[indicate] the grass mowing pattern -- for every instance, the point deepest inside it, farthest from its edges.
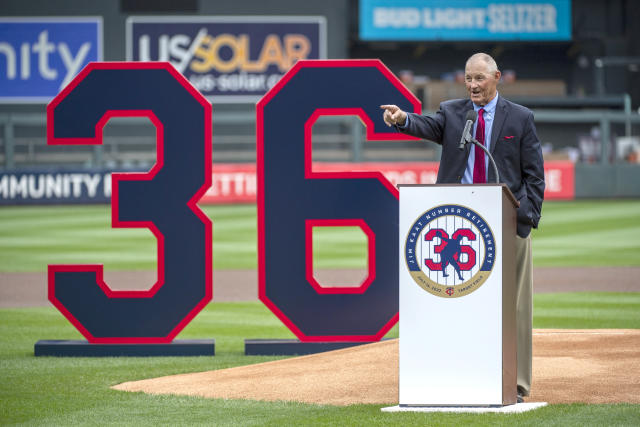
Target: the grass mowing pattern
(65, 391)
(34, 236)
(588, 233)
(340, 247)
(578, 233)
(587, 310)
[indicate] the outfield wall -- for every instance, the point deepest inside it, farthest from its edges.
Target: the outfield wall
(596, 180)
(236, 182)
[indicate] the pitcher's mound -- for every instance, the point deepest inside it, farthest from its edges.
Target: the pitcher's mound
(590, 366)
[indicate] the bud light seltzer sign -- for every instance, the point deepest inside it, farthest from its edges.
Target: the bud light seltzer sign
(230, 58)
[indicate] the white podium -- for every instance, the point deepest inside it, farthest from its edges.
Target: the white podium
(457, 295)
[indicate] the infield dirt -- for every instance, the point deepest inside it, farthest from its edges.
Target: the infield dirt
(587, 366)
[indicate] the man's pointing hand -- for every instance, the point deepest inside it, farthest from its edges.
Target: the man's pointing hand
(393, 115)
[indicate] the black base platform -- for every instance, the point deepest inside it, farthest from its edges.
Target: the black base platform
(61, 348)
(291, 347)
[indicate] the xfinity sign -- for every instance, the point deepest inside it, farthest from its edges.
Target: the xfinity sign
(40, 56)
(465, 20)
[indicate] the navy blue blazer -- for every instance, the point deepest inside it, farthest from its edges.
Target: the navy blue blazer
(514, 146)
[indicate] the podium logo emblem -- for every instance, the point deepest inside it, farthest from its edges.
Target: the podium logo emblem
(450, 251)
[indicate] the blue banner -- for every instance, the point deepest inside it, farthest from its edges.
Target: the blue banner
(500, 20)
(39, 56)
(230, 59)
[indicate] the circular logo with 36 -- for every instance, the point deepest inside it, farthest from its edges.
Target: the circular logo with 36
(450, 251)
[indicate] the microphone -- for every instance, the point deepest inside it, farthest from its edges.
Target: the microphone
(471, 118)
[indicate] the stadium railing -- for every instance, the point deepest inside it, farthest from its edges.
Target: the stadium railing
(131, 141)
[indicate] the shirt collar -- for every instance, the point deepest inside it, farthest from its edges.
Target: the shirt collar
(490, 107)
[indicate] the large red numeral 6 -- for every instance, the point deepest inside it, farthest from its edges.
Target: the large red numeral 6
(464, 249)
(292, 198)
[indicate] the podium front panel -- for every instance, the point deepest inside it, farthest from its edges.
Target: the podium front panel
(451, 296)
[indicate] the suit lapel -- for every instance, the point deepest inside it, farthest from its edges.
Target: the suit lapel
(498, 121)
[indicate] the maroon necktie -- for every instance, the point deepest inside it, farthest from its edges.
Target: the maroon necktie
(479, 173)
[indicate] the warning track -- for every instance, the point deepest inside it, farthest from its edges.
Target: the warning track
(30, 289)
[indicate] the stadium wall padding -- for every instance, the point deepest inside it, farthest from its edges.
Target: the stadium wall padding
(596, 181)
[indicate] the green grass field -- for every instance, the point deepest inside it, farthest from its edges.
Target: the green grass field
(64, 391)
(596, 233)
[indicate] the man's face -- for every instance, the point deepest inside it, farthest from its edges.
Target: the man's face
(481, 83)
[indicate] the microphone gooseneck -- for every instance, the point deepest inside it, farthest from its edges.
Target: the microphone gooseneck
(470, 119)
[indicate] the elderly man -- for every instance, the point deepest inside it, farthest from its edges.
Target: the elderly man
(508, 132)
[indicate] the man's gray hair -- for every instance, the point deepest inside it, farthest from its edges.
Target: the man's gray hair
(491, 63)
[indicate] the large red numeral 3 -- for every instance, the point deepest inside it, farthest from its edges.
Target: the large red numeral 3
(163, 200)
(464, 249)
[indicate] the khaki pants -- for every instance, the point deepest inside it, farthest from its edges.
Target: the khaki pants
(524, 312)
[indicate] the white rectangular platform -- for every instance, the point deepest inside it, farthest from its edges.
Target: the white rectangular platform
(509, 409)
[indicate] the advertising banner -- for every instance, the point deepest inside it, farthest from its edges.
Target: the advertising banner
(232, 58)
(471, 20)
(230, 182)
(39, 56)
(55, 187)
(236, 183)
(559, 178)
